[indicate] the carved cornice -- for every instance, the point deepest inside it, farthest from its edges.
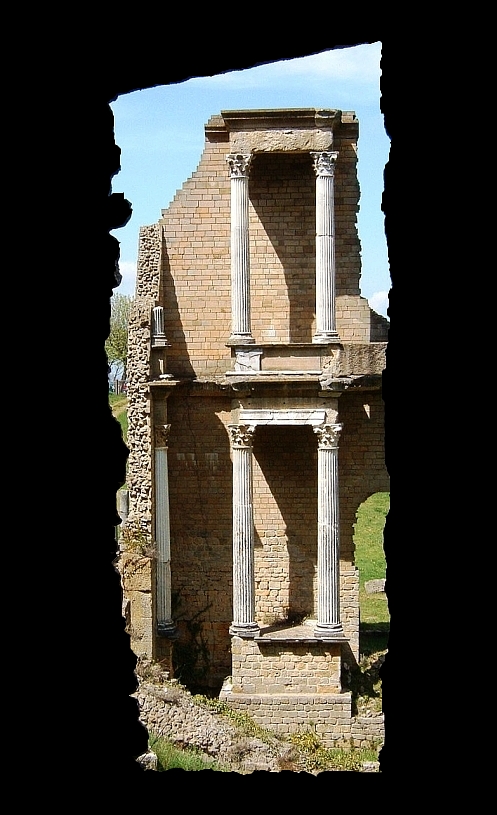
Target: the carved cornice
(161, 435)
(241, 435)
(328, 435)
(239, 164)
(324, 163)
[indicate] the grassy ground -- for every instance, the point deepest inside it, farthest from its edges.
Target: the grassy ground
(300, 752)
(370, 560)
(119, 404)
(170, 757)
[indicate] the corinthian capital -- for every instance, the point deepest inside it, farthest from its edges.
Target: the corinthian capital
(324, 163)
(162, 434)
(241, 435)
(239, 164)
(328, 435)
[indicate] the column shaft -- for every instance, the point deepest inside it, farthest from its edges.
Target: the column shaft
(324, 165)
(328, 622)
(244, 624)
(240, 250)
(165, 623)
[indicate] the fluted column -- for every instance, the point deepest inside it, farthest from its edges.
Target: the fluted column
(328, 622)
(324, 166)
(240, 253)
(165, 625)
(158, 334)
(243, 624)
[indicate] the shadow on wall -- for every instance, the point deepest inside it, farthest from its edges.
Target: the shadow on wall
(200, 492)
(283, 194)
(178, 358)
(285, 516)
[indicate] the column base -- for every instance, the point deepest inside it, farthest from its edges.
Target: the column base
(240, 339)
(326, 630)
(167, 629)
(325, 337)
(246, 631)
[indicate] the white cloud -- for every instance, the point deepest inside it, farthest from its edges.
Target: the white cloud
(356, 63)
(359, 63)
(379, 302)
(128, 272)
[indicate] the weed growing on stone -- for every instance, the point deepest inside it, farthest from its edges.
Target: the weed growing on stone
(240, 719)
(315, 758)
(136, 541)
(170, 757)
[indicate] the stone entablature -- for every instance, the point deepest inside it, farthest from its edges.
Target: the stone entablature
(288, 130)
(282, 416)
(346, 359)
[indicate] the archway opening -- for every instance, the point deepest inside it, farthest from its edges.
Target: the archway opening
(370, 560)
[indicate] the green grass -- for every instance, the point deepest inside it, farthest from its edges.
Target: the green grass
(170, 757)
(370, 558)
(123, 421)
(119, 404)
(309, 756)
(316, 758)
(241, 719)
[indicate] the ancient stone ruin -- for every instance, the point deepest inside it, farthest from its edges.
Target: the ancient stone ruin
(256, 421)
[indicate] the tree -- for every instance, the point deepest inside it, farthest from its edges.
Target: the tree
(117, 342)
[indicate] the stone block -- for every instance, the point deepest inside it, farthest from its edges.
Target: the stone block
(375, 586)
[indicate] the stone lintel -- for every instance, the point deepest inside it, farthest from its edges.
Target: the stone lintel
(282, 417)
(280, 119)
(287, 130)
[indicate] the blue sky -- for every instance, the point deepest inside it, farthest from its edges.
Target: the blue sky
(161, 135)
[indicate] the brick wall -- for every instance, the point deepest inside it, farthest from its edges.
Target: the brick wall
(184, 264)
(278, 668)
(196, 272)
(196, 280)
(285, 513)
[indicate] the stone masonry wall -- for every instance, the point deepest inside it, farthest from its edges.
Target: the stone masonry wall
(196, 282)
(288, 687)
(284, 668)
(362, 473)
(196, 272)
(285, 515)
(184, 264)
(138, 574)
(329, 715)
(285, 520)
(200, 494)
(139, 474)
